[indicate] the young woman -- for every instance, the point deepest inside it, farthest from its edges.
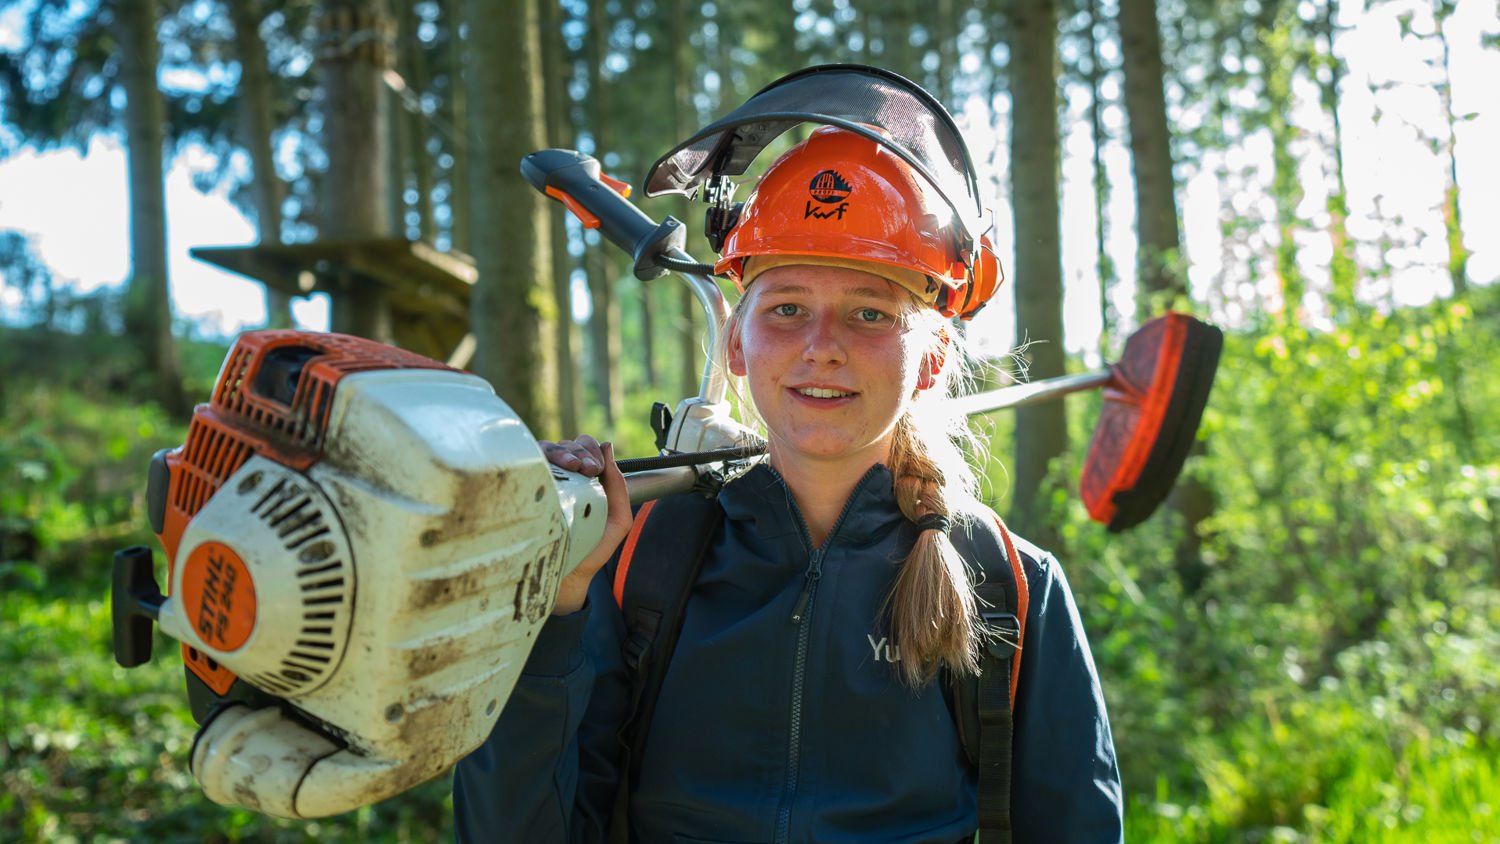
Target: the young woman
(804, 700)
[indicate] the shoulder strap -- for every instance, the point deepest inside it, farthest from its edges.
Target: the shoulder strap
(984, 704)
(677, 530)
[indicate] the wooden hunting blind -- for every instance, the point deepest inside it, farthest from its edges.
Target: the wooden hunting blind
(425, 288)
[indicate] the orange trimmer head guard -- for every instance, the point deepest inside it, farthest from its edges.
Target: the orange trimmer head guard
(1153, 403)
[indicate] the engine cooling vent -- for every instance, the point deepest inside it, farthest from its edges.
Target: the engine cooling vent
(281, 383)
(272, 397)
(212, 452)
(325, 583)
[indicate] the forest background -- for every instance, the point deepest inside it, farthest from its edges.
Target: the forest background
(1301, 646)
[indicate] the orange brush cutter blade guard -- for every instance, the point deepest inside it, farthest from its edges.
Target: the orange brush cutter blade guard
(1152, 406)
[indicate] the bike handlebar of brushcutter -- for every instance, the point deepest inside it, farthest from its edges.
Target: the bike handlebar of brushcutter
(602, 203)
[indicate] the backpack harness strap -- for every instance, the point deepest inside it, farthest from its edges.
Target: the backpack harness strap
(653, 607)
(983, 705)
(678, 529)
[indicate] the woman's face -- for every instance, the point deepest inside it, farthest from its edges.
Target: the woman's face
(831, 359)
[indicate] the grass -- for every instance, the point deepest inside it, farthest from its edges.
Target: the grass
(93, 752)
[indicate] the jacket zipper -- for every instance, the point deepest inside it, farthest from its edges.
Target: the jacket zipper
(799, 678)
(801, 613)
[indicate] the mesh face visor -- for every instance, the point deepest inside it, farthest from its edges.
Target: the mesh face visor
(910, 123)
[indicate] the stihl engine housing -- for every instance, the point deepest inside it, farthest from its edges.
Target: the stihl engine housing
(361, 546)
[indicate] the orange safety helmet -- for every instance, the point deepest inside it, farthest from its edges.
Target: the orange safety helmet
(841, 196)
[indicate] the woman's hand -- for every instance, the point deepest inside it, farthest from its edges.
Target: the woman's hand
(588, 457)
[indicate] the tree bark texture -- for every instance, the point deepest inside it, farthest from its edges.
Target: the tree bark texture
(1158, 284)
(689, 332)
(570, 400)
(1281, 60)
(458, 119)
(356, 206)
(1151, 156)
(257, 125)
(604, 321)
(148, 300)
(512, 307)
(1458, 254)
(1343, 271)
(412, 62)
(1104, 265)
(1041, 430)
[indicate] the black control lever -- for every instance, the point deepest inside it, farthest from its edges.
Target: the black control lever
(575, 180)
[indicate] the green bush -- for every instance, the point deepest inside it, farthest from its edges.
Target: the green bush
(1340, 630)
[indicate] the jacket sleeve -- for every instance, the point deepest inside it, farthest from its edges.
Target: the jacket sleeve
(549, 769)
(1065, 773)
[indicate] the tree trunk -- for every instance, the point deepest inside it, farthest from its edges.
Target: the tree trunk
(148, 301)
(1160, 285)
(949, 21)
(512, 306)
(399, 159)
(257, 125)
(569, 404)
(1041, 430)
(689, 336)
(1286, 188)
(604, 322)
(1343, 271)
(1104, 265)
(413, 59)
(1458, 254)
(458, 118)
(356, 187)
(1151, 156)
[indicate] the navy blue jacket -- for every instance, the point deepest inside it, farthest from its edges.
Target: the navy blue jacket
(771, 731)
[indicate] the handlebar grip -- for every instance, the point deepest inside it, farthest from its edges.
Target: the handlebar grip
(575, 180)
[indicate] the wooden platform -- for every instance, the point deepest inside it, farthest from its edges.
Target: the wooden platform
(428, 289)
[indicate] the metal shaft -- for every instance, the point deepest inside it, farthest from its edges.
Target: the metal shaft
(655, 483)
(1037, 391)
(715, 314)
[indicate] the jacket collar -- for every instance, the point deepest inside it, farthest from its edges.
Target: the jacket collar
(761, 496)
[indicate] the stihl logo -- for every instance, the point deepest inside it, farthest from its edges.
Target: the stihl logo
(218, 600)
(218, 595)
(813, 212)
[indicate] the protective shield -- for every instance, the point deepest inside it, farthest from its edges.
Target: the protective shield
(876, 104)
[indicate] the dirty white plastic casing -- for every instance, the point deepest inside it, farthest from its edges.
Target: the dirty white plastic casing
(454, 532)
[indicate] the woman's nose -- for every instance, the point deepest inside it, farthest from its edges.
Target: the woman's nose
(824, 346)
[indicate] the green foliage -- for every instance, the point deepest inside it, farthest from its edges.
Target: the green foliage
(93, 752)
(1332, 674)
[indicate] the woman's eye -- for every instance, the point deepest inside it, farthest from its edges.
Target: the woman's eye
(785, 309)
(869, 315)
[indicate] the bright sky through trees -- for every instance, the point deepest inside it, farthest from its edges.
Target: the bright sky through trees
(75, 208)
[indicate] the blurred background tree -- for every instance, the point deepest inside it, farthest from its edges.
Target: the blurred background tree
(1301, 648)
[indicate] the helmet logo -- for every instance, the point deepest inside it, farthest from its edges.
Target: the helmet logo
(828, 188)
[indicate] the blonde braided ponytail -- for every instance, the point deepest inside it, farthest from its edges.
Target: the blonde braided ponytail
(933, 615)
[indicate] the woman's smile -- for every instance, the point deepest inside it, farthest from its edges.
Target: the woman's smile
(830, 360)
